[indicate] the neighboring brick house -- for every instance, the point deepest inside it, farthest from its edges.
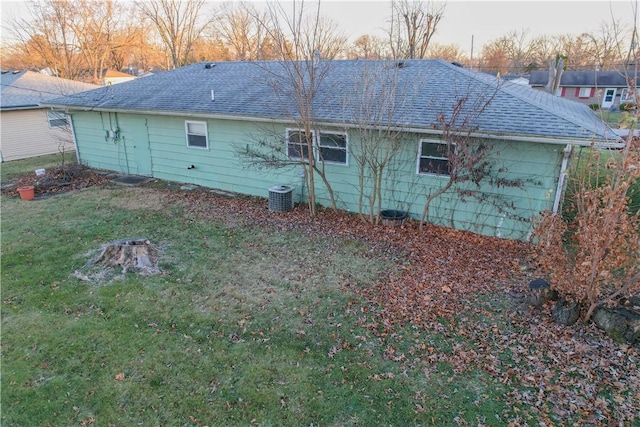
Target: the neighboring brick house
(606, 88)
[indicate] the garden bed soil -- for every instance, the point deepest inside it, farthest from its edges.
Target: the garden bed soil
(57, 180)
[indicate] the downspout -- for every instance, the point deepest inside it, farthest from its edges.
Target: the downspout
(562, 179)
(73, 137)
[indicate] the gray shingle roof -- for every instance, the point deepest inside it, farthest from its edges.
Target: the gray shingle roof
(582, 78)
(27, 89)
(425, 89)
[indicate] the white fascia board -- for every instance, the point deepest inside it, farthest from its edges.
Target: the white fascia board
(583, 142)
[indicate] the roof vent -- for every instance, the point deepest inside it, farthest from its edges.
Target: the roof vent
(401, 64)
(209, 65)
(457, 64)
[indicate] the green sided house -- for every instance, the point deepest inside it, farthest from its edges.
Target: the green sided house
(241, 126)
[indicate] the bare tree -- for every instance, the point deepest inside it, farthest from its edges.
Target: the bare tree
(369, 47)
(306, 44)
(519, 50)
(556, 68)
(211, 49)
(371, 111)
(542, 49)
(604, 45)
(516, 53)
(74, 39)
(239, 27)
(179, 24)
(412, 26)
(145, 51)
(510, 53)
(462, 158)
(99, 28)
(494, 58)
(447, 52)
(47, 35)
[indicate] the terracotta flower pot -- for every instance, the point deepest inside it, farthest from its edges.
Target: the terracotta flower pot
(27, 193)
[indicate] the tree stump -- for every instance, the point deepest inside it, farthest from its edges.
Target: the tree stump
(565, 312)
(137, 255)
(540, 293)
(620, 323)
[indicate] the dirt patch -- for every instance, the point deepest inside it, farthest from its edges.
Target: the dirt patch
(58, 180)
(144, 198)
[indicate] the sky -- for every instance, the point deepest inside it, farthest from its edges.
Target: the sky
(464, 20)
(485, 21)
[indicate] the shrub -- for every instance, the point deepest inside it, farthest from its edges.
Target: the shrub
(592, 254)
(595, 107)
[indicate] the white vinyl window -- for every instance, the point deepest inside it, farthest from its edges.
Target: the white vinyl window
(297, 147)
(196, 133)
(330, 147)
(57, 119)
(333, 147)
(626, 95)
(585, 92)
(433, 157)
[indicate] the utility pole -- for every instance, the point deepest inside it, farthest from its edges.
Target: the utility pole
(471, 59)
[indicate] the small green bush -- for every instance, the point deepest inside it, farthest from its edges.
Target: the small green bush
(594, 107)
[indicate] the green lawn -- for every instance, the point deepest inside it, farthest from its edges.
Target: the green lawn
(245, 327)
(14, 169)
(585, 166)
(613, 118)
(259, 325)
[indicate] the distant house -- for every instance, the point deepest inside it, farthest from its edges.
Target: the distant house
(146, 74)
(112, 77)
(608, 89)
(520, 79)
(27, 128)
(106, 77)
(196, 124)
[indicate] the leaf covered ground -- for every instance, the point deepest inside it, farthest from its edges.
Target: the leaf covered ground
(458, 287)
(449, 305)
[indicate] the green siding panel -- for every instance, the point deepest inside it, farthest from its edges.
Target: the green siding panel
(156, 146)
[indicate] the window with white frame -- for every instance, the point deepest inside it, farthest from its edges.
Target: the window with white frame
(57, 119)
(333, 147)
(297, 147)
(433, 157)
(196, 133)
(330, 147)
(626, 95)
(585, 92)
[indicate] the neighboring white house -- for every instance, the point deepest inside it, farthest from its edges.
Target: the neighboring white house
(28, 129)
(112, 77)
